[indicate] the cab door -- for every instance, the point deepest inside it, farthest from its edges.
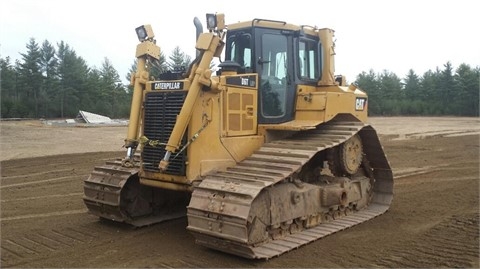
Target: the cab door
(275, 68)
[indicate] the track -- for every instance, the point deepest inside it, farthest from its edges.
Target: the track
(219, 214)
(113, 192)
(102, 190)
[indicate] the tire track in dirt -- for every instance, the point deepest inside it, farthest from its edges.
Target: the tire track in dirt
(52, 179)
(43, 173)
(41, 243)
(42, 197)
(436, 248)
(42, 181)
(52, 214)
(415, 171)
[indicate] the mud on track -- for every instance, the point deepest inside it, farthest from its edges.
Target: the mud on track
(433, 221)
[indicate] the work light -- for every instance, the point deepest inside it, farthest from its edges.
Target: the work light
(211, 21)
(144, 32)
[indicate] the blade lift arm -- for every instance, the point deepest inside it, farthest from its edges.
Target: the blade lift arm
(147, 50)
(210, 45)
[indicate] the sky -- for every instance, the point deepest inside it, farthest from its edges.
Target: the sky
(378, 35)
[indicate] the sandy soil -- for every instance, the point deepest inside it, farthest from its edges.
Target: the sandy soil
(433, 220)
(24, 139)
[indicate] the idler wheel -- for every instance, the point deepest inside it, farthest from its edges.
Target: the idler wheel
(350, 155)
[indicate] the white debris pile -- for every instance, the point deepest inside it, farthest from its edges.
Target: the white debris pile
(85, 118)
(92, 118)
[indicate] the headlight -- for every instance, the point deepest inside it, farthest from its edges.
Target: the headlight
(211, 21)
(144, 32)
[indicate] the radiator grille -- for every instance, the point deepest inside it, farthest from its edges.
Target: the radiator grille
(161, 110)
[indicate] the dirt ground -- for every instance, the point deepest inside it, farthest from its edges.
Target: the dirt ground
(433, 221)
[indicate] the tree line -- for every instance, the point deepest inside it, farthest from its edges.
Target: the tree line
(435, 93)
(54, 82)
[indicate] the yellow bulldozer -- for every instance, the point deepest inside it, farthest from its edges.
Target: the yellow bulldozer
(267, 153)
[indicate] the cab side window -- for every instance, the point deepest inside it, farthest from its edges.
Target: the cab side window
(309, 59)
(241, 52)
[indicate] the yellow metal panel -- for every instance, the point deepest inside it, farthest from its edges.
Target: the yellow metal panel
(345, 103)
(204, 41)
(240, 117)
(241, 147)
(220, 21)
(207, 166)
(165, 185)
(163, 177)
(311, 101)
(234, 124)
(233, 100)
(310, 115)
(148, 48)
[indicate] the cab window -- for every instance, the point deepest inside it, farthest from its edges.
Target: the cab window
(241, 51)
(273, 87)
(308, 55)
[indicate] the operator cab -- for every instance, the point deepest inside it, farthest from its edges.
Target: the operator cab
(282, 55)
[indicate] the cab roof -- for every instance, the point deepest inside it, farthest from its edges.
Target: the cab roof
(273, 24)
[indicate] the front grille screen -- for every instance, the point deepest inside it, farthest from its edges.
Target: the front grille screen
(161, 110)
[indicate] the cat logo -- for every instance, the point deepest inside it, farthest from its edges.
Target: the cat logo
(360, 103)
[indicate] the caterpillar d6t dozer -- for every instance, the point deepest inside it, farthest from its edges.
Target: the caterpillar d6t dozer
(268, 153)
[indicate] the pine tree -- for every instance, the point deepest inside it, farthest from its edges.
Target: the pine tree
(49, 65)
(111, 86)
(31, 76)
(412, 86)
(8, 81)
(179, 59)
(467, 88)
(73, 73)
(446, 88)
